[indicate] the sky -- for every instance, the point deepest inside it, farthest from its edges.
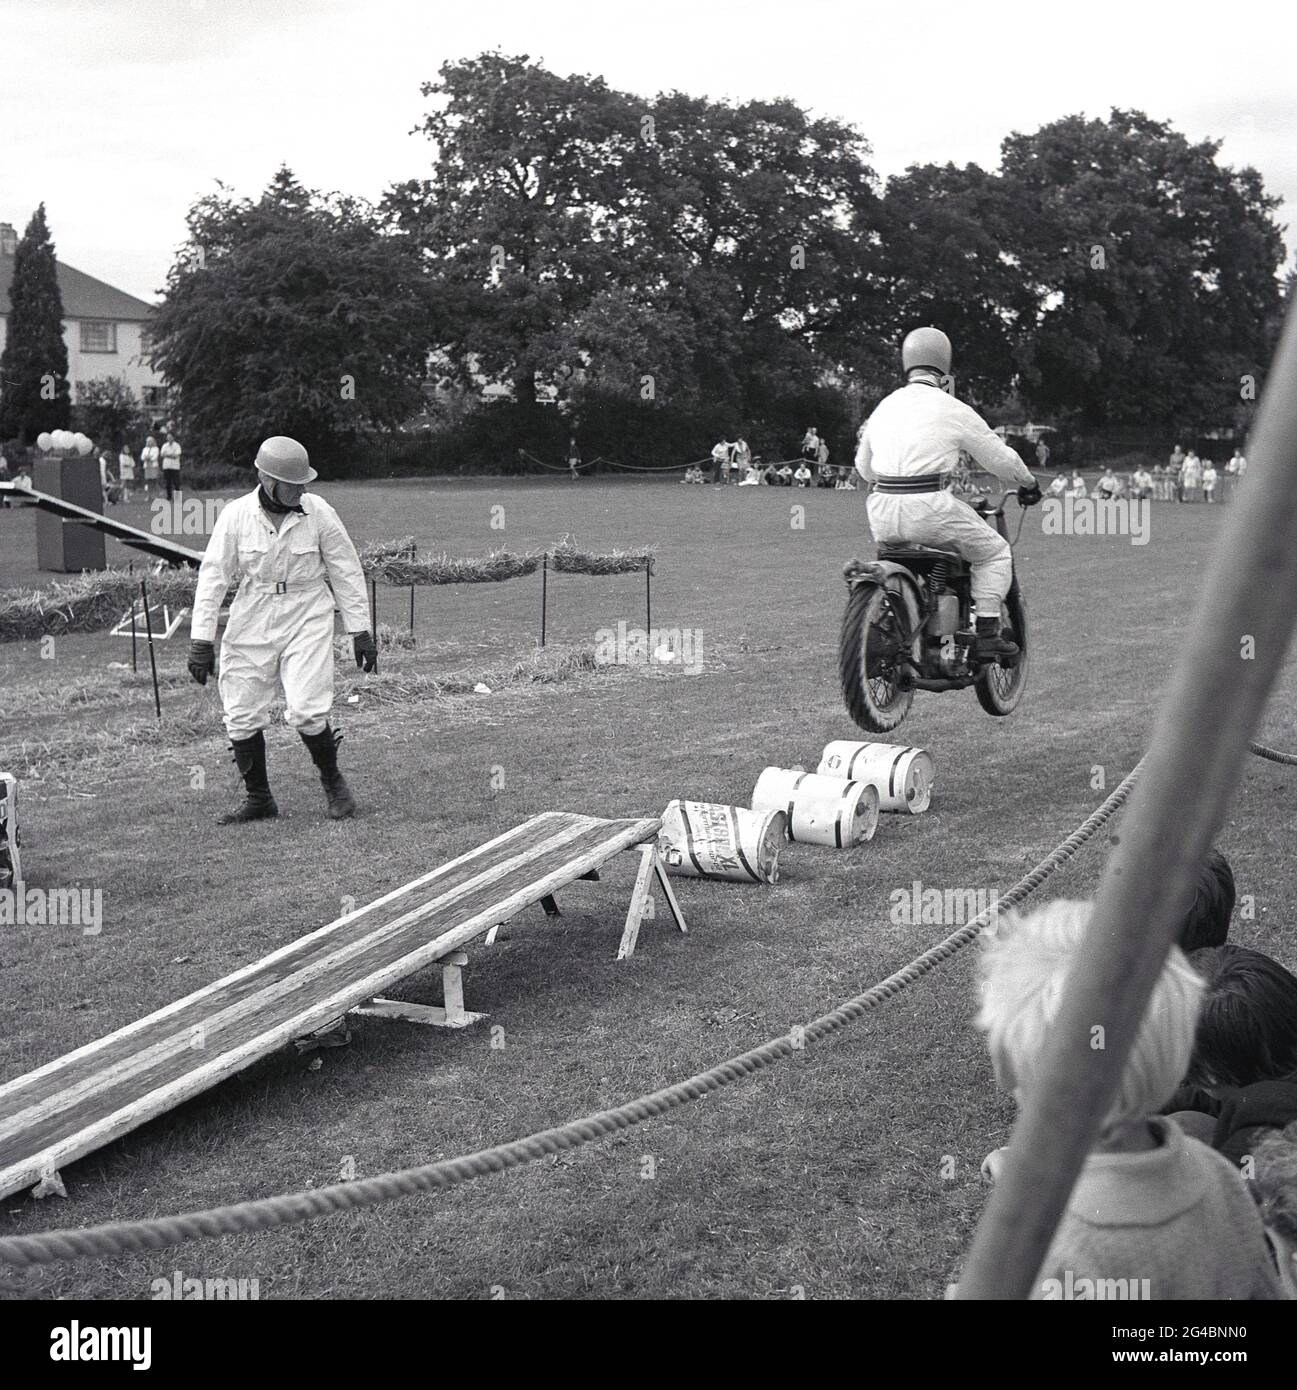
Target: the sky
(118, 114)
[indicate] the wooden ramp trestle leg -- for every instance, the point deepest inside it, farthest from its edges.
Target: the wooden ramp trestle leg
(451, 1015)
(650, 869)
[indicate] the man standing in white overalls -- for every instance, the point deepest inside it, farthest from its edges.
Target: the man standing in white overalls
(286, 549)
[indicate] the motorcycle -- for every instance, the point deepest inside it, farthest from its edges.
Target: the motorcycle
(908, 626)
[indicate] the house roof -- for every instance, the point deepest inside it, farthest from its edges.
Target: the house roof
(84, 297)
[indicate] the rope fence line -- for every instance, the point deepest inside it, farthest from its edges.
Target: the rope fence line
(1273, 755)
(48, 1247)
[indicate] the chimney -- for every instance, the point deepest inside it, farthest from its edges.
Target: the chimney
(8, 240)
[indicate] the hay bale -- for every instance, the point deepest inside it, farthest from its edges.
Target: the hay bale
(88, 602)
(567, 558)
(499, 565)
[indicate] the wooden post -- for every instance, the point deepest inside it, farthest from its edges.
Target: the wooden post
(413, 548)
(1218, 692)
(544, 586)
(135, 665)
(153, 663)
(373, 609)
(648, 595)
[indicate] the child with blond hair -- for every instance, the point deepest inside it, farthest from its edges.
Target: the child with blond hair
(1150, 1204)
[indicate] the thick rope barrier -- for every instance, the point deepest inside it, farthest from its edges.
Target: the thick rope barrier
(1273, 754)
(268, 1213)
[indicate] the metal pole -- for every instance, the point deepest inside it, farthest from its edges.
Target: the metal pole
(373, 609)
(648, 594)
(1228, 662)
(412, 551)
(153, 664)
(544, 586)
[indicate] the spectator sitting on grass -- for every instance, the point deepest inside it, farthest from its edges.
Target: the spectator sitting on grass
(1149, 1203)
(1141, 483)
(803, 475)
(1107, 484)
(770, 474)
(1077, 487)
(1275, 1187)
(1059, 486)
(1242, 1077)
(786, 476)
(693, 474)
(1207, 921)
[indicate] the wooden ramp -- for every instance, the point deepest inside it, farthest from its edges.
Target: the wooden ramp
(92, 1096)
(171, 551)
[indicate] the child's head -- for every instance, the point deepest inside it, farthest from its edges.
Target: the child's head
(1024, 968)
(1248, 1028)
(1207, 921)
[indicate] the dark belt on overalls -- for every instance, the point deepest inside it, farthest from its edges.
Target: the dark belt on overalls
(921, 482)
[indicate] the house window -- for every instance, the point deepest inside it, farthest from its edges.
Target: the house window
(98, 335)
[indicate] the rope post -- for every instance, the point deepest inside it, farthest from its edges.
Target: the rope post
(1218, 692)
(648, 594)
(413, 549)
(544, 587)
(153, 664)
(373, 608)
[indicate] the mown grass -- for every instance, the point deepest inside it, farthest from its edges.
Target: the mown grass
(830, 1174)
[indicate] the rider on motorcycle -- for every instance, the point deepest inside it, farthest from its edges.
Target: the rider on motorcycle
(906, 449)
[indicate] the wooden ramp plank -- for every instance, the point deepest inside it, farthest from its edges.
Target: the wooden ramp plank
(79, 1102)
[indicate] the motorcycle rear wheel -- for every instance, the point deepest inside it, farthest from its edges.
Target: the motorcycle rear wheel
(875, 639)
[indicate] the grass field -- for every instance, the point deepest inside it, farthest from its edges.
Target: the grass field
(829, 1176)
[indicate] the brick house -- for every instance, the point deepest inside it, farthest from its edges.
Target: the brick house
(104, 328)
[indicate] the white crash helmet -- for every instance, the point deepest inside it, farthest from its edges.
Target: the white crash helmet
(926, 347)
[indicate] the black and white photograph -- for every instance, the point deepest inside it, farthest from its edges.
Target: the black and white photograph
(645, 655)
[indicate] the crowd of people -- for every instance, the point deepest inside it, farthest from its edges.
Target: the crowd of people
(1186, 478)
(158, 468)
(732, 461)
(1192, 1183)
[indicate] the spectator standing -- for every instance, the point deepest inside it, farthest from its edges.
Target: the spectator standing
(1042, 454)
(1190, 473)
(4, 476)
(720, 460)
(1237, 464)
(1208, 481)
(742, 458)
(106, 479)
(171, 464)
(1177, 458)
(151, 463)
(126, 471)
(811, 445)
(573, 459)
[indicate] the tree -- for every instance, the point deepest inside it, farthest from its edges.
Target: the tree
(1154, 267)
(521, 221)
(34, 392)
(297, 314)
(108, 411)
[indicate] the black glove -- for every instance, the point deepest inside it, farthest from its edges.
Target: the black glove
(202, 660)
(1029, 496)
(366, 652)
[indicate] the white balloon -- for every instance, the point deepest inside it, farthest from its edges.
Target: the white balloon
(60, 438)
(44, 441)
(83, 443)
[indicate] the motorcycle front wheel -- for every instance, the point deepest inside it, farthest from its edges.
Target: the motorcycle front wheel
(999, 688)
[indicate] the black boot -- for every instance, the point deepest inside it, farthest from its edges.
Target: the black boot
(250, 758)
(991, 646)
(324, 754)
